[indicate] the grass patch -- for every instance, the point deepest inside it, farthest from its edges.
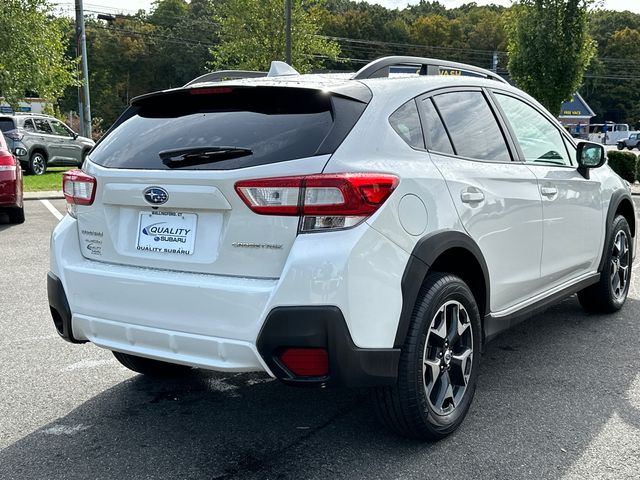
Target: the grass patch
(51, 180)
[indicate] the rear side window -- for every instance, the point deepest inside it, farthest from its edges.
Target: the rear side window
(265, 124)
(6, 124)
(28, 126)
(472, 126)
(406, 122)
(42, 126)
(436, 136)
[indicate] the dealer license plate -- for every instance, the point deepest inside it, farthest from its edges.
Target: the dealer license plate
(167, 232)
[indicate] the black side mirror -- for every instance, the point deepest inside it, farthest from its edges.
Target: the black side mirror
(590, 155)
(19, 152)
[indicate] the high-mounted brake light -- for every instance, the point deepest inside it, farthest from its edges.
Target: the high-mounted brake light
(210, 91)
(326, 202)
(79, 188)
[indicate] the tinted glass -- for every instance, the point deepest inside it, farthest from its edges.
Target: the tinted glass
(42, 126)
(473, 128)
(28, 126)
(539, 139)
(406, 122)
(276, 124)
(6, 124)
(436, 136)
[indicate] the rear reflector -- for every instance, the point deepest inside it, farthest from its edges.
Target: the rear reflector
(306, 362)
(78, 187)
(331, 201)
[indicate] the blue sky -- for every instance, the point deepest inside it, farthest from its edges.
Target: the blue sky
(131, 6)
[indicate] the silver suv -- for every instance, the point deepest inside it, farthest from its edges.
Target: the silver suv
(46, 141)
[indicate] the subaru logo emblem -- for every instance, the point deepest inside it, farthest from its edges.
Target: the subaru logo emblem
(156, 195)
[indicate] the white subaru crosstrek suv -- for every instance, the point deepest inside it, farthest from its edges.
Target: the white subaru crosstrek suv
(364, 230)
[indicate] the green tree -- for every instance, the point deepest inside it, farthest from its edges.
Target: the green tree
(252, 34)
(549, 48)
(32, 52)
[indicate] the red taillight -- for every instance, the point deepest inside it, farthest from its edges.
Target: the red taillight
(14, 135)
(78, 187)
(7, 162)
(328, 201)
(306, 362)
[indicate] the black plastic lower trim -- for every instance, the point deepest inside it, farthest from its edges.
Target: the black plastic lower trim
(324, 327)
(493, 326)
(59, 307)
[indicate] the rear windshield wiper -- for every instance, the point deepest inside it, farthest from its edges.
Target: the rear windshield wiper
(187, 157)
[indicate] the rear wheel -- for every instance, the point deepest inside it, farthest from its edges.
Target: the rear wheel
(610, 293)
(37, 164)
(16, 215)
(439, 363)
(620, 146)
(152, 368)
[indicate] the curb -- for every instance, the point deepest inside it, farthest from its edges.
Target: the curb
(45, 195)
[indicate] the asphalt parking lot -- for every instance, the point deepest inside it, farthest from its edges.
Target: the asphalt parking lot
(558, 398)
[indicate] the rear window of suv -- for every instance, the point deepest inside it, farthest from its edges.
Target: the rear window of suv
(267, 124)
(7, 124)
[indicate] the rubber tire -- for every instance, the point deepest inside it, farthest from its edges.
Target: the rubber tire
(16, 215)
(152, 368)
(620, 146)
(31, 168)
(598, 298)
(403, 408)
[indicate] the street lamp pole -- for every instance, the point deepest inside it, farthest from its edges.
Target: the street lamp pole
(84, 103)
(287, 16)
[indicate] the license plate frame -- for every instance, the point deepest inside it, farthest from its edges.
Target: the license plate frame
(166, 232)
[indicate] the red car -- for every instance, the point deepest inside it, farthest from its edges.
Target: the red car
(10, 184)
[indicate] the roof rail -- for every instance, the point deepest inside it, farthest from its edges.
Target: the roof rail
(428, 66)
(224, 75)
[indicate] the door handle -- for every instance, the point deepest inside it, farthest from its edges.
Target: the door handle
(471, 196)
(548, 191)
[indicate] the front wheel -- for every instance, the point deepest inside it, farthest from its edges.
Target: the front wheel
(620, 146)
(610, 293)
(152, 368)
(438, 367)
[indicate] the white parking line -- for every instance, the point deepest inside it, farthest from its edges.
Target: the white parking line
(52, 209)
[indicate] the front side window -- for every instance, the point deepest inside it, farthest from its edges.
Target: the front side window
(539, 140)
(59, 129)
(406, 122)
(472, 126)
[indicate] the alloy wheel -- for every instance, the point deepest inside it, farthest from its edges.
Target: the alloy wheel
(38, 164)
(620, 265)
(448, 357)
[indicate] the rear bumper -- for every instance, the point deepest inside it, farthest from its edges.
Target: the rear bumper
(324, 327)
(240, 324)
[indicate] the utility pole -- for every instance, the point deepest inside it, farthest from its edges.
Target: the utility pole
(287, 16)
(494, 62)
(84, 103)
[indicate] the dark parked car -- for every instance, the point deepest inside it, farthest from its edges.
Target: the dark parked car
(45, 140)
(10, 184)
